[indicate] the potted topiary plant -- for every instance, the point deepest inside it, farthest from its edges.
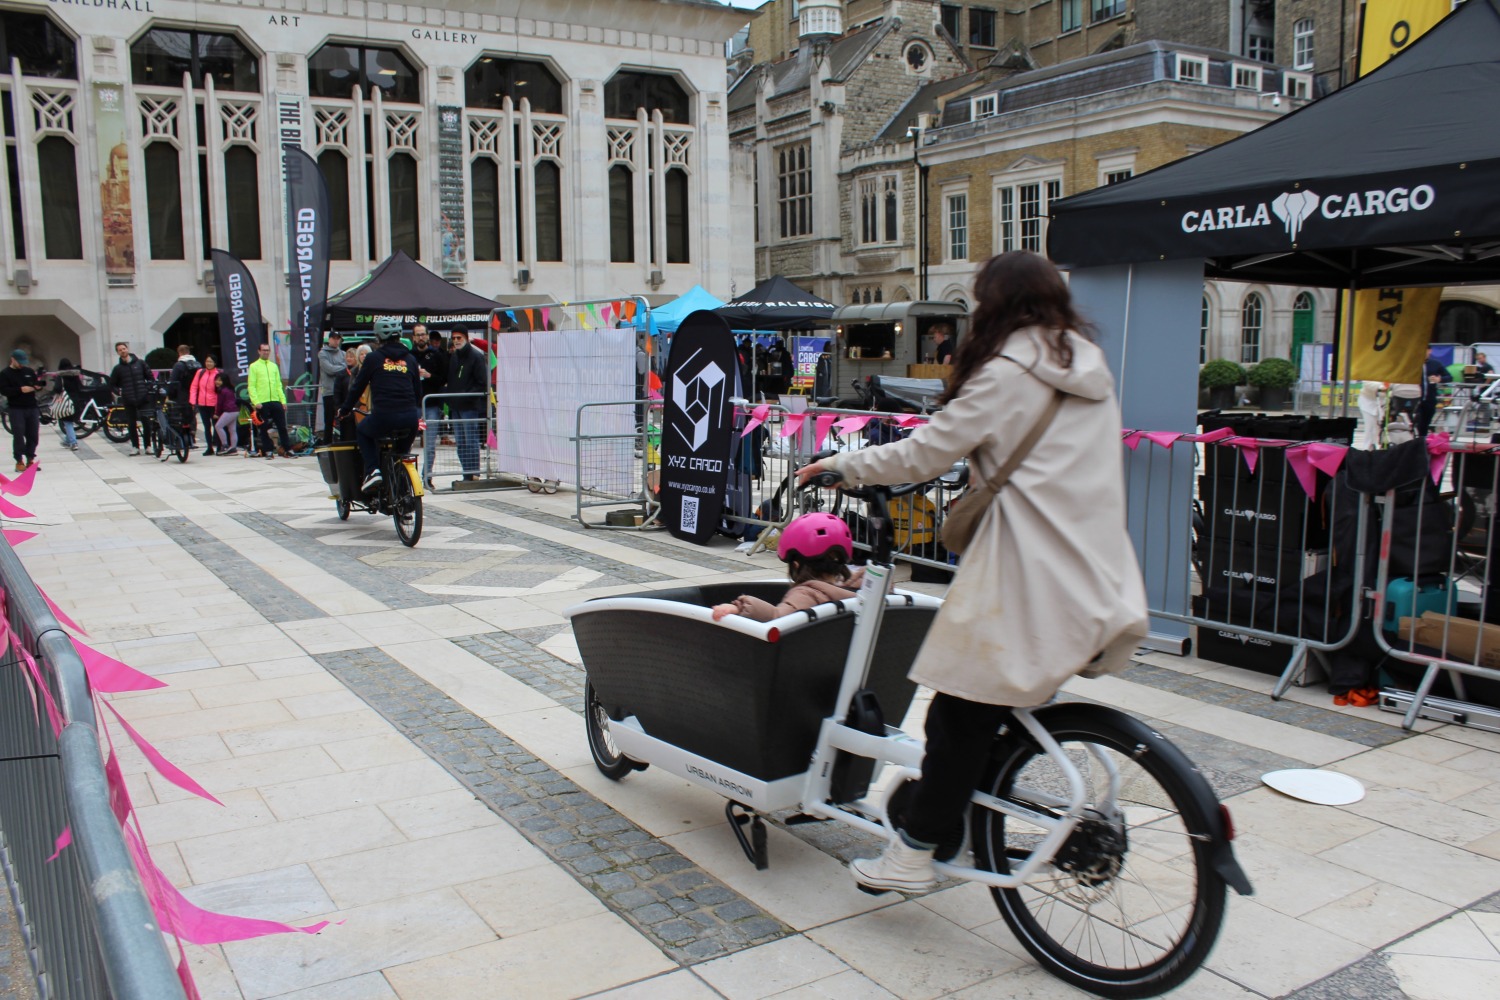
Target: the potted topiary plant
(1219, 377)
(1275, 378)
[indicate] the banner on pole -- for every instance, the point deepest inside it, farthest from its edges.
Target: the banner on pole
(698, 429)
(1391, 25)
(307, 251)
(114, 179)
(1392, 327)
(239, 314)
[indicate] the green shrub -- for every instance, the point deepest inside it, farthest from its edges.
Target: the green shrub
(1220, 372)
(160, 357)
(1274, 373)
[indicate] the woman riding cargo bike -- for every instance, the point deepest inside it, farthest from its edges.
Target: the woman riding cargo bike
(1105, 850)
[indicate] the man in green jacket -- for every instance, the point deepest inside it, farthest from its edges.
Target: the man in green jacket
(268, 399)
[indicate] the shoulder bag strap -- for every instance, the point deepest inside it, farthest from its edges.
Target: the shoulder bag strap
(1049, 413)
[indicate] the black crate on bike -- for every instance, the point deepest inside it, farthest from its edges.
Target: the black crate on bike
(1225, 644)
(342, 470)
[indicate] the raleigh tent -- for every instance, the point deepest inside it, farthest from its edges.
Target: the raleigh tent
(1392, 181)
(777, 304)
(401, 287)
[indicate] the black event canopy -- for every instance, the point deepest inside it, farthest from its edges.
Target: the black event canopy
(401, 287)
(1393, 180)
(776, 304)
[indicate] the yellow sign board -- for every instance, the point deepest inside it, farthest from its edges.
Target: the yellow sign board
(1392, 25)
(1392, 328)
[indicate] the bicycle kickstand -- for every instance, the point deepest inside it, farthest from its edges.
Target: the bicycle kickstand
(754, 846)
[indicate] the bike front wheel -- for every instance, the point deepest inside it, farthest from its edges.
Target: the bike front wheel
(406, 507)
(1130, 905)
(116, 429)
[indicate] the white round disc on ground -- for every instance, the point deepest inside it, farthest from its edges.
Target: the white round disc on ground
(1326, 788)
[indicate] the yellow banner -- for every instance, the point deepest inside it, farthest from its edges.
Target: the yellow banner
(1392, 25)
(1392, 327)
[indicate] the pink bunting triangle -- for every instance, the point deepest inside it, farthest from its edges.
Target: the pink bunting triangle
(11, 510)
(1162, 439)
(185, 973)
(757, 417)
(15, 536)
(792, 424)
(1211, 436)
(823, 424)
(1132, 439)
(1249, 448)
(109, 675)
(164, 767)
(60, 615)
(181, 917)
(852, 425)
(1437, 452)
(1327, 458)
(546, 318)
(21, 485)
(909, 420)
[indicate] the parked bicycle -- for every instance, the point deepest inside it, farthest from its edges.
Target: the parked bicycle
(1104, 848)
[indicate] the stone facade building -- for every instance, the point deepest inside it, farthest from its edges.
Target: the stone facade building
(530, 150)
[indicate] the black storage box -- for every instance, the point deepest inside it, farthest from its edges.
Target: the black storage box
(1254, 515)
(342, 469)
(1240, 649)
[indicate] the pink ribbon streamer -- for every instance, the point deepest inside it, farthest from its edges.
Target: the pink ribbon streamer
(757, 417)
(15, 536)
(192, 923)
(792, 424)
(824, 424)
(164, 767)
(546, 318)
(852, 425)
(185, 973)
(1438, 447)
(109, 675)
(63, 840)
(21, 485)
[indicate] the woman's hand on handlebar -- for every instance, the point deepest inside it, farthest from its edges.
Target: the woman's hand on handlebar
(817, 470)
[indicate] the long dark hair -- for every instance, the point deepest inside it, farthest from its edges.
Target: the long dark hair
(1015, 290)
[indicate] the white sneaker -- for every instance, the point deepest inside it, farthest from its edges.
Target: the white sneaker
(372, 480)
(903, 868)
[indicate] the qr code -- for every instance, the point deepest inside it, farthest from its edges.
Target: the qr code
(690, 515)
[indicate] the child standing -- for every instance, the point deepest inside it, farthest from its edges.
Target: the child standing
(226, 414)
(816, 548)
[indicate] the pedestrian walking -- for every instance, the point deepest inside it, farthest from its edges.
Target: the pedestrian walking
(468, 383)
(203, 397)
(268, 401)
(226, 414)
(67, 400)
(19, 385)
(131, 381)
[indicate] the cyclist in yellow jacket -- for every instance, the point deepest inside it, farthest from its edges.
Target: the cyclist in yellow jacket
(268, 399)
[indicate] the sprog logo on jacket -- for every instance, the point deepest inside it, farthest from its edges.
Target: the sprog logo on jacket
(397, 365)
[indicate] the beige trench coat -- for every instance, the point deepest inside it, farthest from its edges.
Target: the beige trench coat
(1050, 579)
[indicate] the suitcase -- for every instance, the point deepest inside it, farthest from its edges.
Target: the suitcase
(1406, 598)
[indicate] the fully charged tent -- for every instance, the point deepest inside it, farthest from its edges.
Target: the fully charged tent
(401, 287)
(1392, 181)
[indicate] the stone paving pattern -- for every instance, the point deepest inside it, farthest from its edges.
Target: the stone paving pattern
(687, 912)
(396, 739)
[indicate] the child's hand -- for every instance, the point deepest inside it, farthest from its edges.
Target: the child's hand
(720, 610)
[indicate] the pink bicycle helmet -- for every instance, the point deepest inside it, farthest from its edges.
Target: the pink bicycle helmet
(811, 535)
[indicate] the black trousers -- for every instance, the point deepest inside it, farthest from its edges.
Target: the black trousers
(134, 414)
(273, 413)
(959, 733)
(1425, 412)
(378, 424)
(330, 417)
(206, 414)
(25, 430)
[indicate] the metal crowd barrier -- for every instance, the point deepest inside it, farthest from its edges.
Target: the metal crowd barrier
(1440, 614)
(618, 469)
(88, 928)
(440, 443)
(1258, 573)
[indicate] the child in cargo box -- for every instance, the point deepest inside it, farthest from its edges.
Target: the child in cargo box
(816, 549)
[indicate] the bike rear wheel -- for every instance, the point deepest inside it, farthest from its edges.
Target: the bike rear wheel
(83, 428)
(115, 427)
(406, 506)
(180, 447)
(1131, 905)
